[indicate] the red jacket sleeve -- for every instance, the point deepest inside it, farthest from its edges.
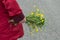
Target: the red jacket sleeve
(12, 7)
(14, 10)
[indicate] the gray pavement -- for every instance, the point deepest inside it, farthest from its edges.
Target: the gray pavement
(51, 9)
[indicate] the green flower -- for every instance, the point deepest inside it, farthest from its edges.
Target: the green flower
(35, 20)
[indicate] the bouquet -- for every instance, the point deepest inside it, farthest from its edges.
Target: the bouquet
(35, 20)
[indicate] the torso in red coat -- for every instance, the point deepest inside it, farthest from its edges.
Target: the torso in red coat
(8, 31)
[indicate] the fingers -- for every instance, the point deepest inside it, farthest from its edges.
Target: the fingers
(23, 21)
(12, 22)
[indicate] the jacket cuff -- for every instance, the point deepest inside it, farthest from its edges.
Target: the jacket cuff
(17, 18)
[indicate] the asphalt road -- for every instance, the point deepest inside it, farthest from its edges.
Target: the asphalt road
(51, 9)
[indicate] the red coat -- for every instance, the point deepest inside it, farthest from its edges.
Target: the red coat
(7, 31)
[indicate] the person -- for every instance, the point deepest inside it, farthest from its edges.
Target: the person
(11, 19)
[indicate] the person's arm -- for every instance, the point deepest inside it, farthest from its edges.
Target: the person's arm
(15, 13)
(17, 18)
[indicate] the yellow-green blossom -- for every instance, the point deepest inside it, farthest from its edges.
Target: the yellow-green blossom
(37, 9)
(36, 29)
(42, 20)
(37, 14)
(42, 15)
(32, 13)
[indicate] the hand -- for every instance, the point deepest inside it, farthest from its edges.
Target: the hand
(23, 21)
(12, 22)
